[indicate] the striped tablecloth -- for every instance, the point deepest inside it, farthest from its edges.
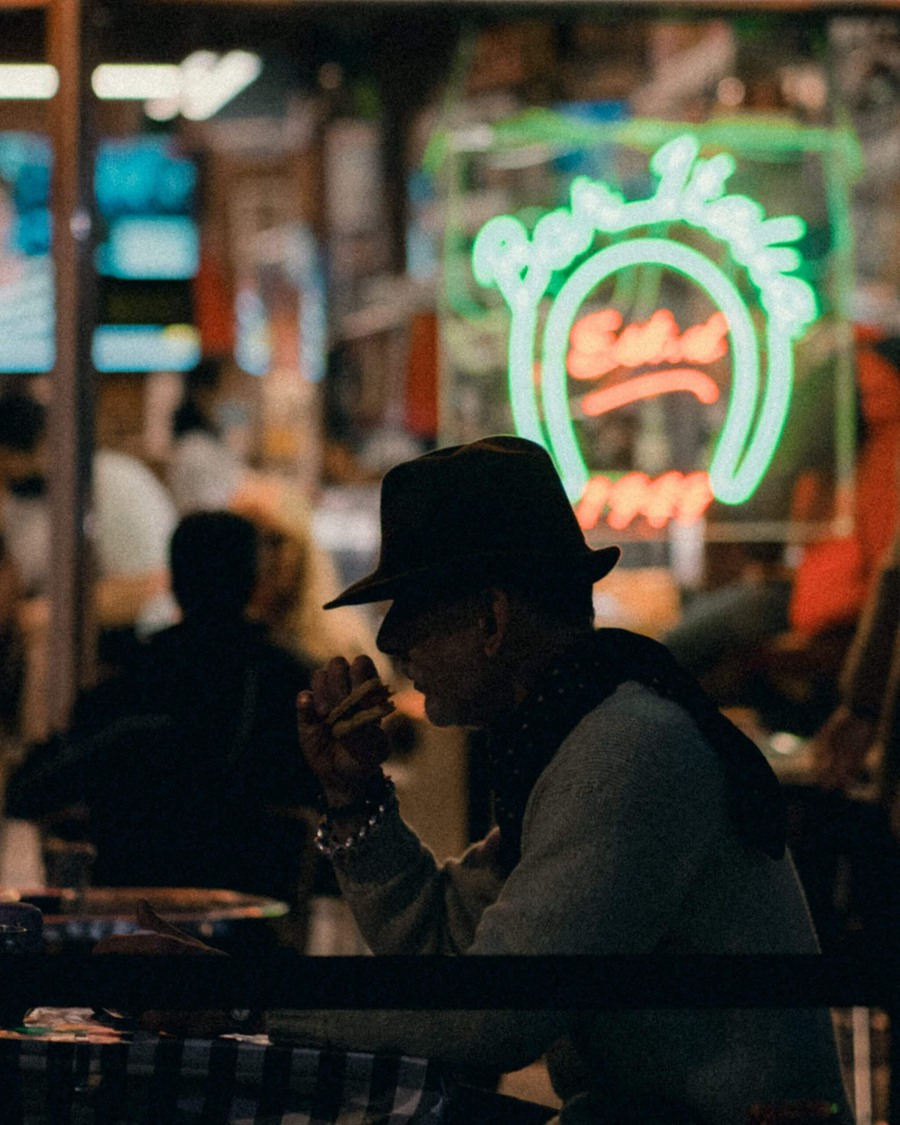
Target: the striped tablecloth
(74, 1071)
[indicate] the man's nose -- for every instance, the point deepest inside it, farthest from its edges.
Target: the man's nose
(389, 641)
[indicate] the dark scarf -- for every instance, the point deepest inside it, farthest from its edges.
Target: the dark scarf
(522, 745)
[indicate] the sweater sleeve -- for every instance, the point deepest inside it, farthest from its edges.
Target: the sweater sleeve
(626, 848)
(614, 835)
(405, 902)
(625, 803)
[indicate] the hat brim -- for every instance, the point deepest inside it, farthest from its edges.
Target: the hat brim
(380, 587)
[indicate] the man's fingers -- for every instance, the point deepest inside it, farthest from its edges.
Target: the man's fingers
(338, 721)
(362, 669)
(319, 684)
(337, 678)
(334, 682)
(306, 708)
(330, 684)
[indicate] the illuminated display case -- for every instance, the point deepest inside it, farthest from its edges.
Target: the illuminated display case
(665, 306)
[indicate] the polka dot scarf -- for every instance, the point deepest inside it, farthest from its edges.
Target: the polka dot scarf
(523, 744)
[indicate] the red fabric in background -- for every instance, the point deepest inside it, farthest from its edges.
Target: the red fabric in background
(834, 575)
(421, 415)
(213, 306)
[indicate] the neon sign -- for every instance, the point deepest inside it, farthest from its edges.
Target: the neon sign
(683, 497)
(596, 351)
(690, 190)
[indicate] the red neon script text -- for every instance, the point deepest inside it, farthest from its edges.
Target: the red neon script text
(597, 347)
(678, 496)
(698, 383)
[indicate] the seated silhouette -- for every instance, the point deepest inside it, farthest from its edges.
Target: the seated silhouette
(186, 760)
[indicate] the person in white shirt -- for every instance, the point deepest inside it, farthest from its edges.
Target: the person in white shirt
(133, 514)
(133, 520)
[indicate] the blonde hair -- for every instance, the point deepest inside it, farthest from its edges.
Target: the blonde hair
(306, 575)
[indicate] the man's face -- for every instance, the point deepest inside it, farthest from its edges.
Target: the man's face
(441, 648)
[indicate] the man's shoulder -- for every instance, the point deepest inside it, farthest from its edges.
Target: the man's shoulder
(115, 696)
(636, 703)
(635, 728)
(247, 643)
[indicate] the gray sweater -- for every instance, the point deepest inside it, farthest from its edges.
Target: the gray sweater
(626, 849)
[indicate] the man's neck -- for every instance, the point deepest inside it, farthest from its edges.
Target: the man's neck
(543, 654)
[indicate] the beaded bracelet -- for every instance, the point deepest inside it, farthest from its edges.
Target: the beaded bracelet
(373, 808)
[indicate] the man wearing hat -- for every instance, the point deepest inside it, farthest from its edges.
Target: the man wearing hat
(632, 817)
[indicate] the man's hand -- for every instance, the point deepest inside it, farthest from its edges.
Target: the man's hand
(339, 726)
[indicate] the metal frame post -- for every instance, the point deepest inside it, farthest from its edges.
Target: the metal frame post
(71, 414)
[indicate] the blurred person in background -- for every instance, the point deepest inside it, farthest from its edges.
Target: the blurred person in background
(844, 800)
(719, 627)
(133, 513)
(835, 575)
(775, 639)
(186, 759)
(133, 519)
(845, 808)
(860, 741)
(203, 471)
(296, 573)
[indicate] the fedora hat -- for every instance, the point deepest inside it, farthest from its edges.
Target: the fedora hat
(492, 508)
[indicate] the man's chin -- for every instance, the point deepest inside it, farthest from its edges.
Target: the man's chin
(436, 716)
(443, 717)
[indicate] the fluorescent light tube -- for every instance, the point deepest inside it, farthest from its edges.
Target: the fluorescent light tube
(198, 88)
(136, 81)
(28, 81)
(206, 92)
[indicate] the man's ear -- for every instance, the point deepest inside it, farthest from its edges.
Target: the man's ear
(495, 620)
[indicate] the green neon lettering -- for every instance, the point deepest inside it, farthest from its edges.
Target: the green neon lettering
(691, 190)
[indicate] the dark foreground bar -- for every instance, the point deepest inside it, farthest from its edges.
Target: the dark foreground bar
(290, 980)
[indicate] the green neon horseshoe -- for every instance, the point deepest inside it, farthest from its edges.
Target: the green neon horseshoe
(733, 478)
